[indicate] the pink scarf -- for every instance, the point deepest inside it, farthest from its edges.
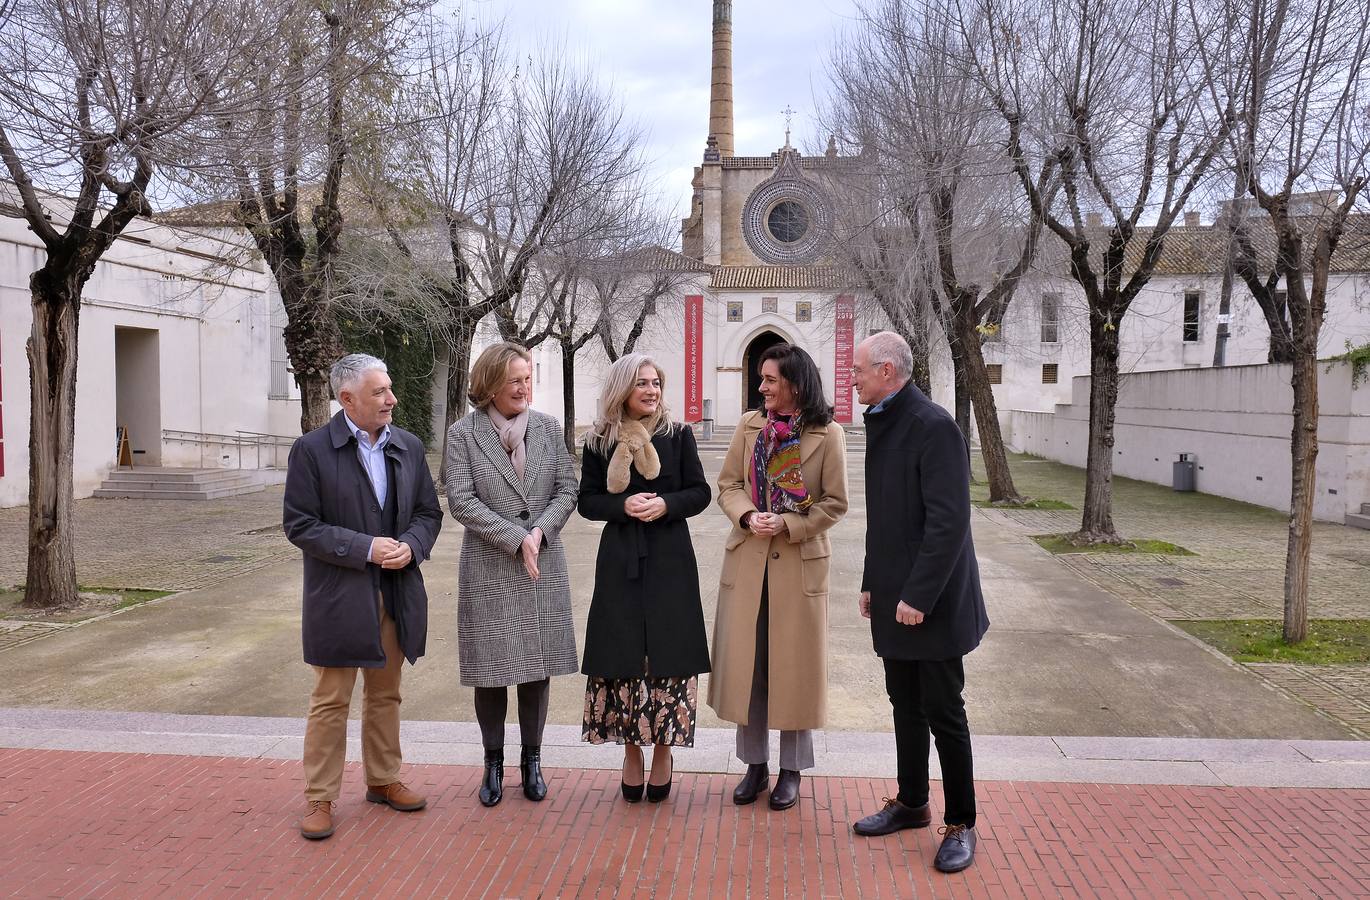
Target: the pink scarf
(511, 435)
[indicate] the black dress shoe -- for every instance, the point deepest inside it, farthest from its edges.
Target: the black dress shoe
(958, 848)
(530, 764)
(492, 787)
(631, 792)
(658, 792)
(786, 789)
(894, 817)
(757, 779)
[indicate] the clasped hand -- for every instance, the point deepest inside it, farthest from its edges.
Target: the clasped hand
(767, 524)
(389, 553)
(644, 507)
(529, 549)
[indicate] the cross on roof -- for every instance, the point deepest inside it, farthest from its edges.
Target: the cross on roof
(789, 116)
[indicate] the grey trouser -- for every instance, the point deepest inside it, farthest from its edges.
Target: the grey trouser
(753, 739)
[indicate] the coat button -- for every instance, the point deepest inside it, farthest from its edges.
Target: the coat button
(524, 515)
(775, 555)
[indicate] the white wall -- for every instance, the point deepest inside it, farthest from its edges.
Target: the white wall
(1236, 419)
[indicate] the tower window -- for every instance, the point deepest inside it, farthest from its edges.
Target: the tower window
(995, 372)
(1049, 373)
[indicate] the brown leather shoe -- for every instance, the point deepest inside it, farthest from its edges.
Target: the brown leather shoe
(318, 822)
(396, 796)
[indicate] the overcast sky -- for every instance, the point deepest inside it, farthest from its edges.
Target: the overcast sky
(655, 53)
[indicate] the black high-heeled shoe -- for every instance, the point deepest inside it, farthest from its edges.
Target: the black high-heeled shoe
(492, 787)
(632, 792)
(658, 792)
(530, 765)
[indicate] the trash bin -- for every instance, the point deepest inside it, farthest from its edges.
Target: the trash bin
(1182, 472)
(707, 422)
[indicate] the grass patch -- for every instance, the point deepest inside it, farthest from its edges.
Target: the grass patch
(1030, 504)
(1061, 543)
(1330, 641)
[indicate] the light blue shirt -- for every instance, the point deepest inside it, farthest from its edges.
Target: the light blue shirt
(881, 405)
(372, 457)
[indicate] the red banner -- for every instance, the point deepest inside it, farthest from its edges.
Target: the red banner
(694, 357)
(845, 319)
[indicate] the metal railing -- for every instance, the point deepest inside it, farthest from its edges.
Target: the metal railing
(245, 449)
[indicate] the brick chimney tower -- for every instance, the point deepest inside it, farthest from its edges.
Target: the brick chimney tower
(721, 84)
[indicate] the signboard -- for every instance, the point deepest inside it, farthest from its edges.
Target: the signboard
(845, 325)
(694, 357)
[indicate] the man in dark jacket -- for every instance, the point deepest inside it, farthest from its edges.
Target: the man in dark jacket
(921, 590)
(360, 503)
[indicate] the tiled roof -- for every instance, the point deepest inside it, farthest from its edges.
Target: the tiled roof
(661, 259)
(1202, 249)
(775, 277)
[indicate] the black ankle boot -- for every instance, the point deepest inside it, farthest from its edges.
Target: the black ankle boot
(534, 788)
(757, 779)
(492, 787)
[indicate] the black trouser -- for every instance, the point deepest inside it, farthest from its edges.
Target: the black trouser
(926, 696)
(492, 704)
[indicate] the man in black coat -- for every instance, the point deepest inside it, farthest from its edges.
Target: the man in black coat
(921, 590)
(360, 503)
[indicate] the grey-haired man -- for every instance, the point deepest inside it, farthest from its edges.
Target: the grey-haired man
(360, 504)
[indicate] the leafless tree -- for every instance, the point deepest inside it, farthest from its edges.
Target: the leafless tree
(329, 75)
(1111, 94)
(505, 165)
(99, 99)
(933, 119)
(1298, 72)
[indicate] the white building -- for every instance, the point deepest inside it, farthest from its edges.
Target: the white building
(179, 344)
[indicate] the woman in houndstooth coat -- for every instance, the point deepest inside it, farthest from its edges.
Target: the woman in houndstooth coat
(512, 486)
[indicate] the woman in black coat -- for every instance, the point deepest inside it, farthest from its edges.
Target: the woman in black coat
(645, 644)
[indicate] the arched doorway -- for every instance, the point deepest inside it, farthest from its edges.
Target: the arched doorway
(751, 361)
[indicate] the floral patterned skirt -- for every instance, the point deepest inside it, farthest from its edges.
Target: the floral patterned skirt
(642, 710)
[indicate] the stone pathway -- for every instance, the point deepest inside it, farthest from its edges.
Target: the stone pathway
(1238, 572)
(166, 545)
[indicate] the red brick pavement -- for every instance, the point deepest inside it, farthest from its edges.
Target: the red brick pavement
(128, 825)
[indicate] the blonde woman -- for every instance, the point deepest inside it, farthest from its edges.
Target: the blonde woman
(512, 486)
(644, 642)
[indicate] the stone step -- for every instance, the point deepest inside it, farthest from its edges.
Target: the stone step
(1359, 520)
(180, 493)
(179, 484)
(170, 477)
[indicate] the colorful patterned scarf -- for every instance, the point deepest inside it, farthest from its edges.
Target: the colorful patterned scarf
(777, 482)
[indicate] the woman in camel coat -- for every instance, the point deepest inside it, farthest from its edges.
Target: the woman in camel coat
(770, 657)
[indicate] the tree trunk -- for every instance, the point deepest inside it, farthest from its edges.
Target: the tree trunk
(962, 388)
(313, 342)
(52, 348)
(1304, 456)
(981, 395)
(315, 395)
(1097, 523)
(568, 394)
(458, 381)
(1281, 347)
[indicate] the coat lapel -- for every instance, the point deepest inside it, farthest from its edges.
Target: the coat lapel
(810, 440)
(536, 452)
(488, 440)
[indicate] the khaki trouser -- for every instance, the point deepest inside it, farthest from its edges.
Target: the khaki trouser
(325, 734)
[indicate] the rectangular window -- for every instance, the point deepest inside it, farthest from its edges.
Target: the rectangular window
(803, 311)
(770, 304)
(1049, 371)
(280, 366)
(996, 373)
(734, 310)
(1191, 316)
(1051, 318)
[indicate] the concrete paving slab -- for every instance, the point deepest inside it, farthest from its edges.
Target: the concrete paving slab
(1179, 749)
